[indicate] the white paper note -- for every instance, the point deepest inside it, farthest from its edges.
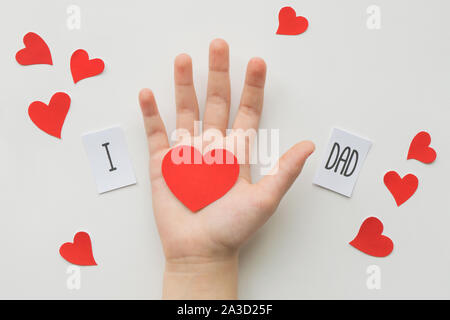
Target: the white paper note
(110, 161)
(342, 162)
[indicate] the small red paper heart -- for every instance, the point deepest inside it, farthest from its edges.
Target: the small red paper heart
(36, 51)
(420, 148)
(50, 118)
(401, 188)
(198, 180)
(289, 23)
(82, 68)
(370, 239)
(80, 251)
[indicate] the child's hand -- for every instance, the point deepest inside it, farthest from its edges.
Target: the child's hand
(201, 248)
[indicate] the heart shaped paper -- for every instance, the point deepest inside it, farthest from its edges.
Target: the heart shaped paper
(80, 251)
(370, 239)
(401, 188)
(420, 149)
(289, 23)
(198, 180)
(36, 51)
(50, 118)
(82, 68)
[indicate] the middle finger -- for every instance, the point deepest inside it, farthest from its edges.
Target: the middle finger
(218, 92)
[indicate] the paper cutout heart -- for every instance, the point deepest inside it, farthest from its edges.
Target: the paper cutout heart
(36, 51)
(80, 251)
(370, 239)
(198, 180)
(289, 23)
(401, 188)
(50, 118)
(420, 148)
(82, 68)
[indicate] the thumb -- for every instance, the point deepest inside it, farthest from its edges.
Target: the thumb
(286, 171)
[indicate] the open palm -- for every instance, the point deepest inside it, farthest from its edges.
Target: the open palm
(219, 229)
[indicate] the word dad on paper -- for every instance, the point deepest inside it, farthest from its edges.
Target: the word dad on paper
(342, 162)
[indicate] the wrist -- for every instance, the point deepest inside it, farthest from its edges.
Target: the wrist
(201, 278)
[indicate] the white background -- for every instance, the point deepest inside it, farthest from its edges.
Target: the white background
(385, 84)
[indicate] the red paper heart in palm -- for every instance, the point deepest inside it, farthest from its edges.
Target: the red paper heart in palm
(80, 251)
(82, 68)
(50, 118)
(289, 23)
(420, 148)
(370, 239)
(36, 51)
(401, 189)
(198, 180)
